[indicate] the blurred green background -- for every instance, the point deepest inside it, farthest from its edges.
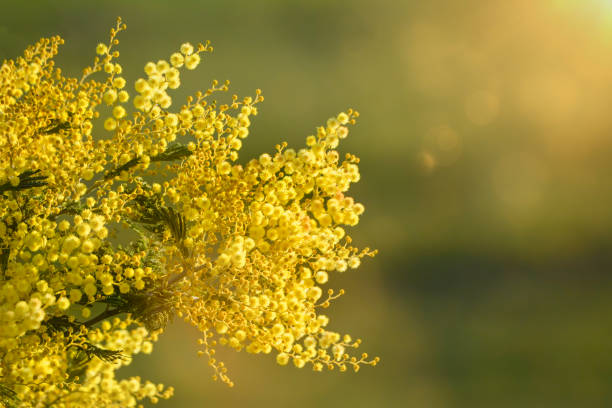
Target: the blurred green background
(486, 145)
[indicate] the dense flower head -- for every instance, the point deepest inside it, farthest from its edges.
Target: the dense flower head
(243, 252)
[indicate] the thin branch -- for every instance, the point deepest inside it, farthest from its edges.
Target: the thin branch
(103, 315)
(173, 279)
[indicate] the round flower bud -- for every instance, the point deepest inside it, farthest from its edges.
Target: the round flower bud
(162, 66)
(87, 247)
(299, 362)
(224, 168)
(140, 102)
(221, 327)
(110, 96)
(63, 303)
(118, 111)
(118, 82)
(141, 85)
(90, 289)
(88, 174)
(171, 120)
(321, 277)
(192, 61)
(354, 262)
(110, 124)
(123, 96)
(282, 358)
(187, 48)
(177, 59)
(101, 49)
(150, 68)
(83, 229)
(75, 295)
(70, 244)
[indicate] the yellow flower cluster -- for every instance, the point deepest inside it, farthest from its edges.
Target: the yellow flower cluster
(277, 226)
(242, 252)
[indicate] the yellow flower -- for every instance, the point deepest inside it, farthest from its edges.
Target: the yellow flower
(118, 112)
(110, 124)
(238, 248)
(119, 82)
(177, 60)
(192, 61)
(101, 49)
(186, 49)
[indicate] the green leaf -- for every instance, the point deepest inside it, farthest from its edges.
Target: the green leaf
(173, 152)
(27, 179)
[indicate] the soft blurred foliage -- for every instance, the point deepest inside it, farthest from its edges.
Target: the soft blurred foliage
(486, 146)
